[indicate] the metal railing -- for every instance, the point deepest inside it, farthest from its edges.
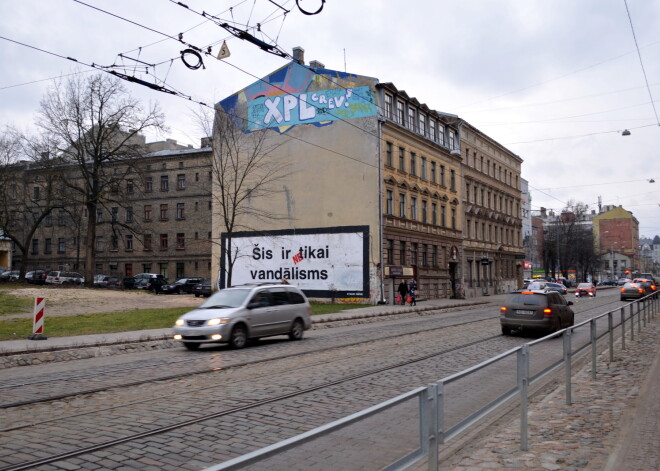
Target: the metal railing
(433, 417)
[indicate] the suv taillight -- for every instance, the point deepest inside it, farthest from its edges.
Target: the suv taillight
(547, 311)
(502, 309)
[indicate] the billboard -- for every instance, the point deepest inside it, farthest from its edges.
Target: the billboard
(323, 262)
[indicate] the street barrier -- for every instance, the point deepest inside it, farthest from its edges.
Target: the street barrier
(38, 323)
(437, 425)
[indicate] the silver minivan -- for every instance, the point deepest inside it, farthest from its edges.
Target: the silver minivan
(240, 313)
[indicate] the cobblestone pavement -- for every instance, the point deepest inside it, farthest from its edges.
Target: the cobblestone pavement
(612, 423)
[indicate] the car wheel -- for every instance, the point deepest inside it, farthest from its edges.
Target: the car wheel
(238, 337)
(191, 346)
(196, 295)
(297, 330)
(506, 330)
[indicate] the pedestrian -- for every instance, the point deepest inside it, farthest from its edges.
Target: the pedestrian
(412, 289)
(403, 292)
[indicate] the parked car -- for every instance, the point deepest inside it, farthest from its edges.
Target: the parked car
(558, 287)
(128, 282)
(36, 277)
(112, 282)
(182, 285)
(235, 315)
(536, 310)
(585, 289)
(608, 283)
(203, 289)
(646, 284)
(151, 284)
(98, 279)
(623, 281)
(536, 285)
(57, 277)
(148, 275)
(9, 275)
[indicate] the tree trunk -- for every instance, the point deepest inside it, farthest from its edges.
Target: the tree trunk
(90, 245)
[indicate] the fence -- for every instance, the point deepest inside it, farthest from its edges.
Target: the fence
(509, 374)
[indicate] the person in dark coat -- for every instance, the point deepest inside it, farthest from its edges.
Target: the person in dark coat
(403, 292)
(412, 290)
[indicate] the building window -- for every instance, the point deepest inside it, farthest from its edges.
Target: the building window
(114, 243)
(35, 246)
(164, 183)
(114, 213)
(180, 270)
(453, 218)
(452, 180)
(147, 212)
(434, 214)
(389, 252)
(37, 193)
(99, 215)
(434, 256)
(442, 175)
(100, 244)
(48, 246)
(422, 124)
(180, 165)
(163, 242)
(162, 268)
(181, 181)
(425, 261)
(149, 185)
(441, 134)
(467, 192)
(413, 208)
(414, 254)
(48, 220)
(432, 130)
(129, 242)
(433, 178)
(443, 215)
(180, 241)
(468, 229)
(424, 208)
(180, 208)
(452, 139)
(196, 176)
(413, 164)
(400, 113)
(147, 241)
(402, 253)
(129, 187)
(423, 168)
(163, 212)
(389, 202)
(61, 218)
(402, 157)
(129, 214)
(388, 106)
(412, 122)
(388, 154)
(61, 245)
(402, 205)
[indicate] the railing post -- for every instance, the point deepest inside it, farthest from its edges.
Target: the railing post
(640, 313)
(632, 322)
(594, 353)
(523, 383)
(610, 330)
(568, 354)
(623, 328)
(430, 430)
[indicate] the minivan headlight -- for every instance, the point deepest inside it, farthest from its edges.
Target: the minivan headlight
(218, 321)
(179, 322)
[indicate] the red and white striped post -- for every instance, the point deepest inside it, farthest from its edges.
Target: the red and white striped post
(38, 325)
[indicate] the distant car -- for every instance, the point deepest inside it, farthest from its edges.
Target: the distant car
(57, 277)
(148, 275)
(536, 310)
(235, 315)
(632, 291)
(182, 285)
(608, 283)
(623, 281)
(203, 289)
(128, 282)
(36, 277)
(98, 279)
(558, 287)
(648, 285)
(9, 275)
(585, 289)
(536, 285)
(112, 282)
(151, 284)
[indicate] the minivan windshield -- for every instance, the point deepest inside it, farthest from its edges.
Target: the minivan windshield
(226, 298)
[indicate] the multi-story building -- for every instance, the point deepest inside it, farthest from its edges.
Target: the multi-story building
(616, 232)
(493, 254)
(373, 197)
(159, 222)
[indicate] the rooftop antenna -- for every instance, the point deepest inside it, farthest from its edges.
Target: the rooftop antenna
(600, 204)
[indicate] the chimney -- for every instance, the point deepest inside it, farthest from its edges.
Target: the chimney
(543, 214)
(299, 55)
(206, 142)
(317, 65)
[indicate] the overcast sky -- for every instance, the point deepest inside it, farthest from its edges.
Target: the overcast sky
(555, 81)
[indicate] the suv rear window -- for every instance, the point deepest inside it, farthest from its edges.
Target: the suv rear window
(528, 299)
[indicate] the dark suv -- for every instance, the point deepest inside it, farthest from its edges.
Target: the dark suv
(536, 310)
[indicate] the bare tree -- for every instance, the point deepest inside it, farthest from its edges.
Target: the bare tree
(28, 191)
(95, 123)
(245, 172)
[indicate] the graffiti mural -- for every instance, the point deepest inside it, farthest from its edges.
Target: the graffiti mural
(296, 94)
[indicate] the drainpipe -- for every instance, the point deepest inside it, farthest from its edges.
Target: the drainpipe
(381, 119)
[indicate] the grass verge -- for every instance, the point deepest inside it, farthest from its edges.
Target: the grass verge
(109, 322)
(10, 304)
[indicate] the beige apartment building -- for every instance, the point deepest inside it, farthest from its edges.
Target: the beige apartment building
(493, 251)
(160, 221)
